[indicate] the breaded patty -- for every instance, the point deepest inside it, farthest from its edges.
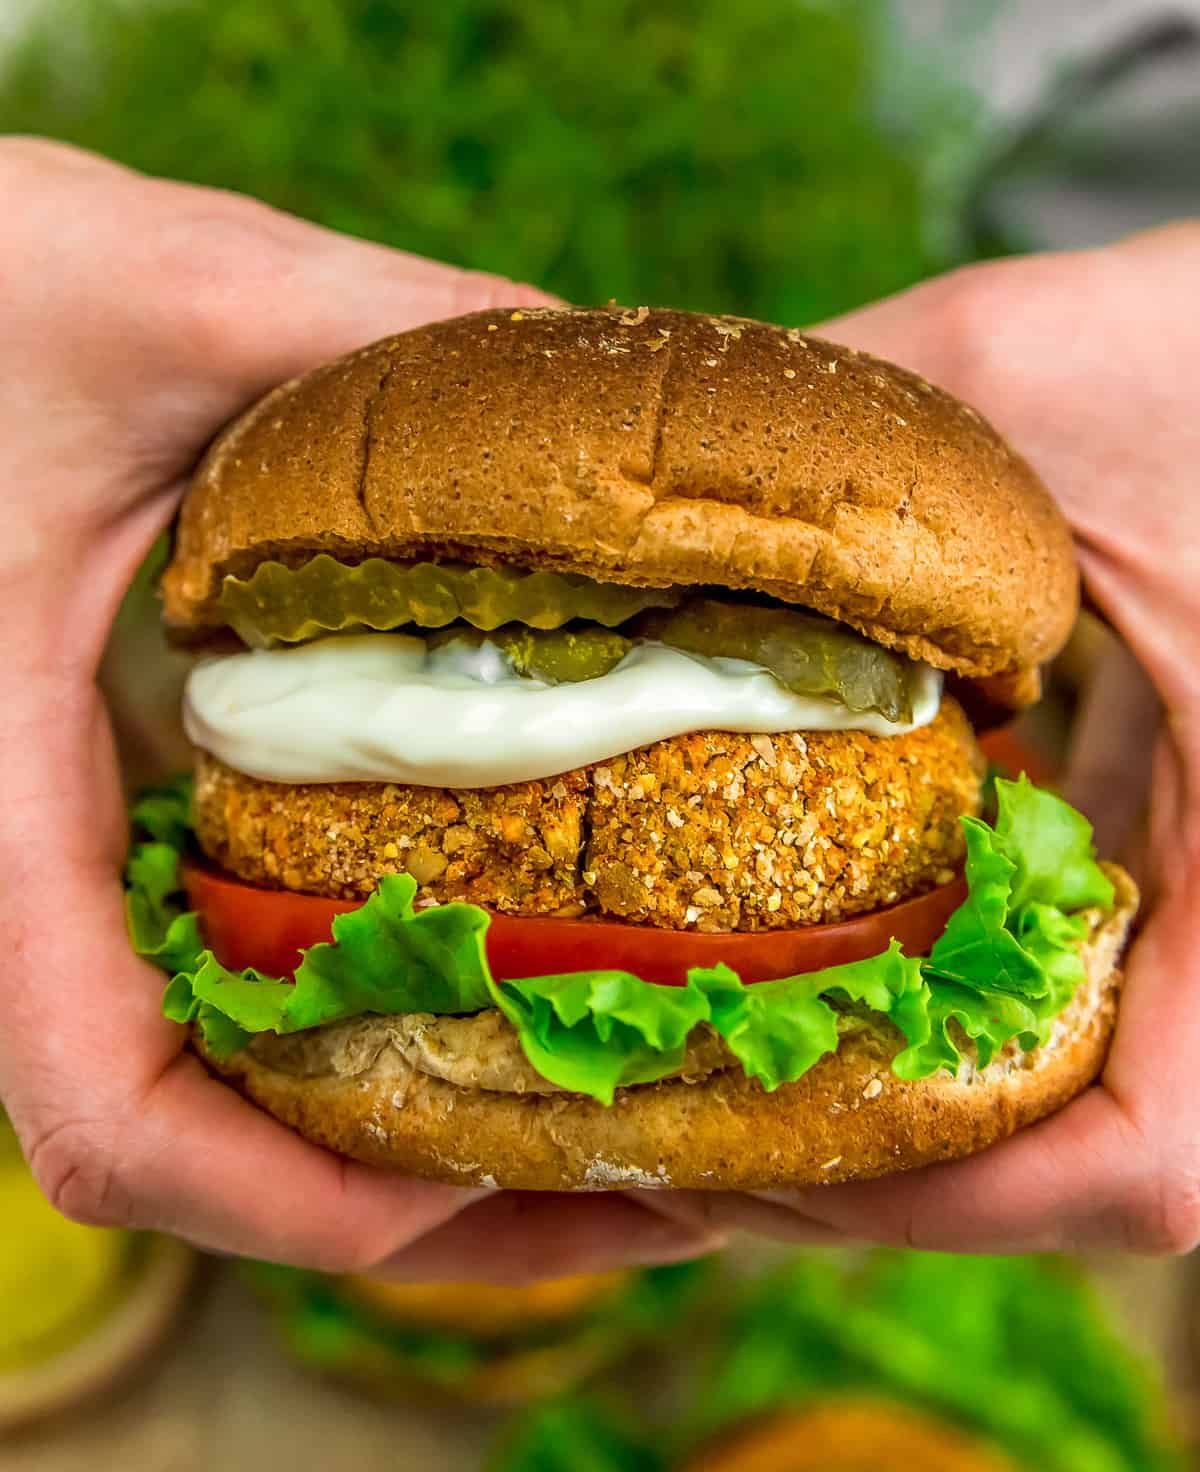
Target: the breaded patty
(514, 848)
(712, 831)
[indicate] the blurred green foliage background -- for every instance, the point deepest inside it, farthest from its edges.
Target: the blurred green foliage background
(717, 154)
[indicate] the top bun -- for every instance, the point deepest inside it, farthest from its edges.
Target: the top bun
(652, 448)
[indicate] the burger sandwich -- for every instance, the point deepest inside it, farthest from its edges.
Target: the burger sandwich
(585, 794)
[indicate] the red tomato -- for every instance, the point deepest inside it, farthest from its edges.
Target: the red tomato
(268, 928)
(1008, 750)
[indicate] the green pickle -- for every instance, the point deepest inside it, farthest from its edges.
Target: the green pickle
(807, 654)
(527, 614)
(554, 656)
(279, 604)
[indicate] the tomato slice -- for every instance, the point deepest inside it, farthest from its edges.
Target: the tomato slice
(1008, 749)
(268, 928)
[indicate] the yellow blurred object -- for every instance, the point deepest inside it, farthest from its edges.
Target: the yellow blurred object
(849, 1435)
(484, 1309)
(57, 1279)
(80, 1307)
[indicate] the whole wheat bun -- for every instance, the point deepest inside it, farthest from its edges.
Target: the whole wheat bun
(848, 1118)
(650, 448)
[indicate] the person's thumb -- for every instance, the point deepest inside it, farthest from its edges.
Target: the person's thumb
(280, 295)
(170, 307)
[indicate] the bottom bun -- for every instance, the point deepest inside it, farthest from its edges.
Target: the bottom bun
(122, 1342)
(848, 1118)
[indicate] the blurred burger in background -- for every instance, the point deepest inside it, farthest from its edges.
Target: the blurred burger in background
(476, 1343)
(81, 1308)
(917, 1360)
(910, 1362)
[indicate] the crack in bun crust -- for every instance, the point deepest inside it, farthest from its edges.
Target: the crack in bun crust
(651, 448)
(848, 1118)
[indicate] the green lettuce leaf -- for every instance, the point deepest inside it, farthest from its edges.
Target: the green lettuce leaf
(989, 1018)
(164, 813)
(384, 957)
(777, 1029)
(1025, 875)
(977, 947)
(1051, 845)
(595, 1031)
(1006, 965)
(576, 1433)
(1053, 938)
(159, 928)
(328, 1331)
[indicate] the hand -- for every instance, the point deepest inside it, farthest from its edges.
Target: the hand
(139, 317)
(1088, 362)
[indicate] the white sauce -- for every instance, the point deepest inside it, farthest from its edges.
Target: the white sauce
(383, 708)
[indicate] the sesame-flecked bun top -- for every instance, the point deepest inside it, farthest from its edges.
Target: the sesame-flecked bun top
(650, 448)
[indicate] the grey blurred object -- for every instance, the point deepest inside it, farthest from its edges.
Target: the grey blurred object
(142, 678)
(1090, 127)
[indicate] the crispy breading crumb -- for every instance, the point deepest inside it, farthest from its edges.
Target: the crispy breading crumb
(765, 748)
(861, 821)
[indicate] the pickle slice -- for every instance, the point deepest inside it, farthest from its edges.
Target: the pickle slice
(554, 656)
(808, 654)
(525, 613)
(279, 604)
